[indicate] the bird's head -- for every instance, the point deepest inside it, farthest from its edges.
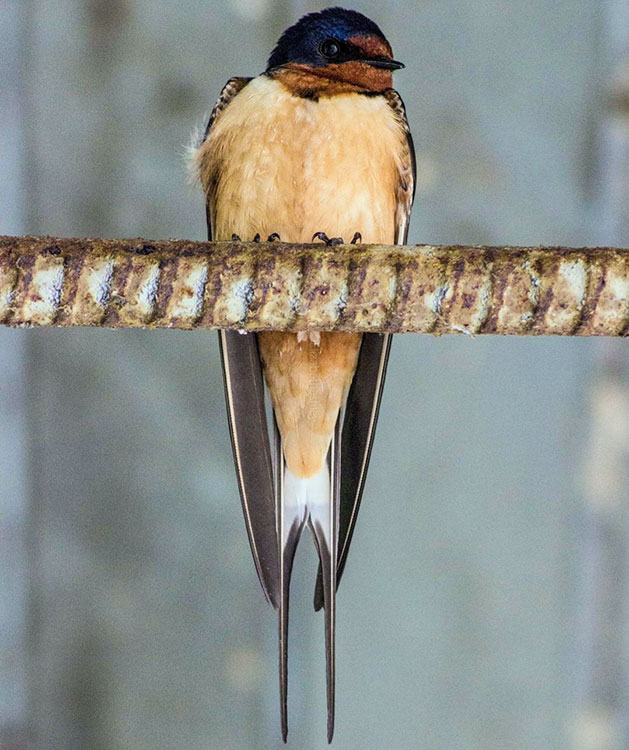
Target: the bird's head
(339, 45)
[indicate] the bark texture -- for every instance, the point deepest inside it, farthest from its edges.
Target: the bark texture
(139, 283)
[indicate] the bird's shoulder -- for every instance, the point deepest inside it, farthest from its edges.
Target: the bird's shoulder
(230, 90)
(407, 166)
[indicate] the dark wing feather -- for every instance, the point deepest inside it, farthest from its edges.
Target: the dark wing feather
(230, 89)
(244, 394)
(405, 191)
(363, 400)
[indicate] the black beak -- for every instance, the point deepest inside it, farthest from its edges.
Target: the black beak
(385, 62)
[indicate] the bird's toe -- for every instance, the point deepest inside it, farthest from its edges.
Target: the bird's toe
(330, 241)
(320, 236)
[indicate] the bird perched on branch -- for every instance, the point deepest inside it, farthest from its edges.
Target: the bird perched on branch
(315, 148)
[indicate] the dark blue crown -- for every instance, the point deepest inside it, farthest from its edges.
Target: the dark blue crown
(302, 42)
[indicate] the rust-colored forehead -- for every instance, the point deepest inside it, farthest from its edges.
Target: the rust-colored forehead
(372, 45)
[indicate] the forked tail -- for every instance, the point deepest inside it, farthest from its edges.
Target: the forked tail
(314, 500)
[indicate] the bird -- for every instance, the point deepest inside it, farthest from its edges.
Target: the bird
(315, 148)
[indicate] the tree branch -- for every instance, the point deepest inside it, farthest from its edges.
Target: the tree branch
(275, 286)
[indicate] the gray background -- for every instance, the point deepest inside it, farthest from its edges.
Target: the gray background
(484, 605)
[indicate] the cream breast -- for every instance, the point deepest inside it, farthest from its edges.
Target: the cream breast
(276, 162)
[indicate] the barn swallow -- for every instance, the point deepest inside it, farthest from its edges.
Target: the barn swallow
(316, 147)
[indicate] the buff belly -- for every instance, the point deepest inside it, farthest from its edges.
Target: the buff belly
(275, 162)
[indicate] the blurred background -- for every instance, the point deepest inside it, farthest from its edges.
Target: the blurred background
(485, 605)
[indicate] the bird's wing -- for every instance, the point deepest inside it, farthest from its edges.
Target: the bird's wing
(233, 87)
(244, 394)
(363, 400)
(407, 172)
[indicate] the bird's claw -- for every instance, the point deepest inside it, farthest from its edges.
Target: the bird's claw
(271, 238)
(329, 241)
(356, 239)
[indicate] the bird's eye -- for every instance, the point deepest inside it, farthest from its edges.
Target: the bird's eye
(330, 48)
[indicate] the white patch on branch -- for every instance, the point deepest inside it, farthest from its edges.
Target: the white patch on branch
(239, 300)
(189, 302)
(148, 291)
(47, 284)
(99, 277)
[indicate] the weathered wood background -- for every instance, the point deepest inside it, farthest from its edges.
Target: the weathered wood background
(491, 544)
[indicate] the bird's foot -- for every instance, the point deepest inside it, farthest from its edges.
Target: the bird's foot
(356, 239)
(329, 241)
(271, 238)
